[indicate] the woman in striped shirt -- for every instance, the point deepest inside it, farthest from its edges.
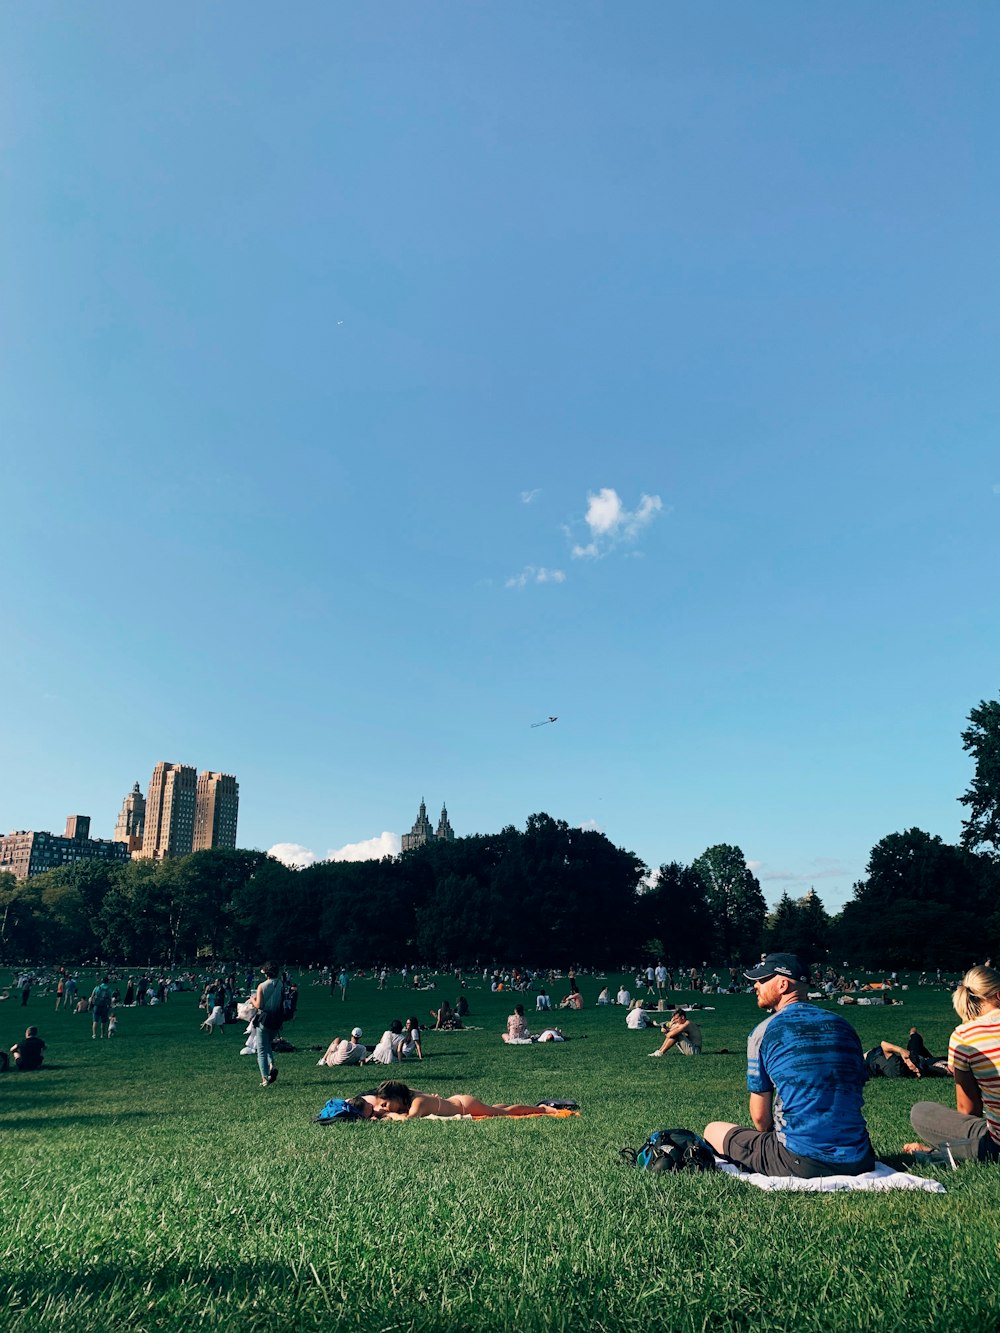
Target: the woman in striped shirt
(973, 1130)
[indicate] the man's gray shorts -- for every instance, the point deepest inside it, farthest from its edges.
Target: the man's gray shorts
(763, 1152)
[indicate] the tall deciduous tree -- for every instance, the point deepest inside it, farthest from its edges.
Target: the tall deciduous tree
(676, 912)
(982, 740)
(923, 903)
(734, 899)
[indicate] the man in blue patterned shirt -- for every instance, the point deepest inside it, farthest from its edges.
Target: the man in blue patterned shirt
(805, 1075)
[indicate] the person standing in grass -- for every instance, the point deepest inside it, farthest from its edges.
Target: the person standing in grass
(805, 1074)
(267, 1002)
(974, 1057)
(100, 1007)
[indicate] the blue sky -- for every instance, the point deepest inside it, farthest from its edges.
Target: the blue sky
(326, 328)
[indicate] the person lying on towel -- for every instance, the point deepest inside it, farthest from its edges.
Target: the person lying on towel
(397, 1101)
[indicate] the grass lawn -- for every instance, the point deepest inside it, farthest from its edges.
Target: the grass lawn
(150, 1183)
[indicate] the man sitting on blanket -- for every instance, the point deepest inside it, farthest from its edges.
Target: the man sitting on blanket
(805, 1074)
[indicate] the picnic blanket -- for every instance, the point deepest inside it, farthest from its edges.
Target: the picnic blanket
(881, 1177)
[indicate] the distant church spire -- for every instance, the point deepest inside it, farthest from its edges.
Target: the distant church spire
(445, 832)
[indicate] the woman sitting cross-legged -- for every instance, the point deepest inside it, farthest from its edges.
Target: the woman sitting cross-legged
(396, 1101)
(974, 1057)
(517, 1027)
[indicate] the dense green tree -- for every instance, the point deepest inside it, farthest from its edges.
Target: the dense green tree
(799, 926)
(20, 918)
(982, 740)
(735, 901)
(780, 925)
(923, 903)
(676, 910)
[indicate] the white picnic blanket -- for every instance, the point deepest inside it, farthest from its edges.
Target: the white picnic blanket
(882, 1177)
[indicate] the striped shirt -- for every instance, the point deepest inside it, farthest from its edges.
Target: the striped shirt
(975, 1047)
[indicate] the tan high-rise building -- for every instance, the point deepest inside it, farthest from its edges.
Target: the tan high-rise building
(216, 809)
(131, 820)
(170, 803)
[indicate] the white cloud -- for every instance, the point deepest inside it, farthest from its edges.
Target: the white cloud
(293, 854)
(590, 826)
(369, 849)
(529, 497)
(533, 574)
(611, 524)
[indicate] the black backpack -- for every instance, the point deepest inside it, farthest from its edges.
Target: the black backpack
(672, 1150)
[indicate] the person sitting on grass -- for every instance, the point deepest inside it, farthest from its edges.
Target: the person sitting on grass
(445, 1018)
(345, 1051)
(410, 1044)
(387, 1050)
(805, 1075)
(28, 1054)
(517, 1027)
(681, 1032)
(637, 1019)
(974, 1058)
(397, 1101)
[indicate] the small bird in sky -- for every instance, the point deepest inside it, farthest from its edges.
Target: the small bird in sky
(545, 723)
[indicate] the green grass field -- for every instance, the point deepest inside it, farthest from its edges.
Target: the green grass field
(149, 1183)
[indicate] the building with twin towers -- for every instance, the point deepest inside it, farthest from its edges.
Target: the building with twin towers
(422, 833)
(182, 812)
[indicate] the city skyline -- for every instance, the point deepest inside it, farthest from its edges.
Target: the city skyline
(382, 388)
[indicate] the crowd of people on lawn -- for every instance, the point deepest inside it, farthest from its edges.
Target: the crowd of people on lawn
(806, 1068)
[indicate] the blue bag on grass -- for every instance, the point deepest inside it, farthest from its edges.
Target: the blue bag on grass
(337, 1108)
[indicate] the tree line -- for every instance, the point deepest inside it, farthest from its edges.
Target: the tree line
(545, 895)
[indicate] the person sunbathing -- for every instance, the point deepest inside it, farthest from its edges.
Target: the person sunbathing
(397, 1101)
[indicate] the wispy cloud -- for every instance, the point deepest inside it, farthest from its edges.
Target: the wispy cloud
(529, 497)
(821, 867)
(590, 826)
(369, 849)
(534, 574)
(610, 524)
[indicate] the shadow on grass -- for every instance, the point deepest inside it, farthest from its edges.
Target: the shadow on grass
(28, 1287)
(46, 1121)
